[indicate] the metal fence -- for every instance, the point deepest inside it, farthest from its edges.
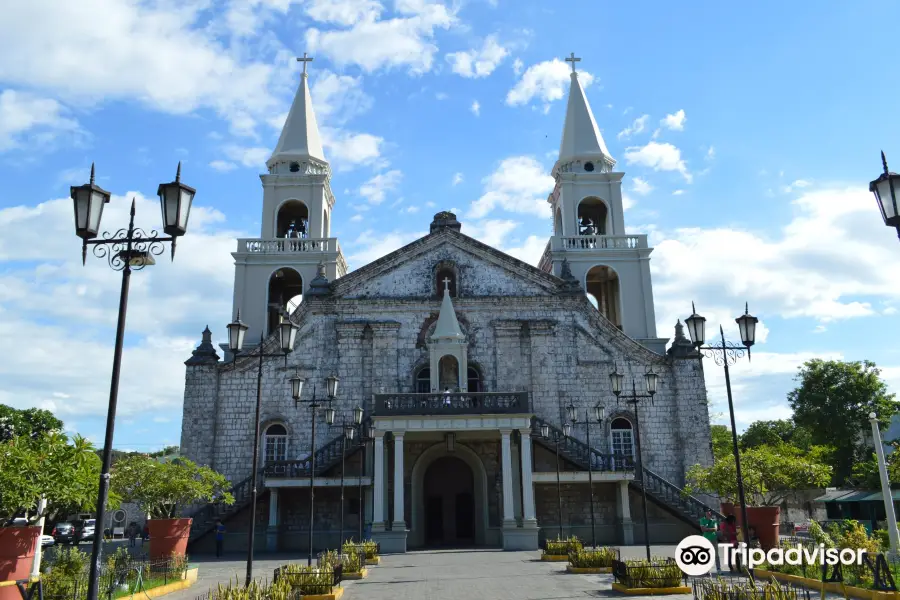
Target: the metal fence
(310, 583)
(662, 573)
(740, 588)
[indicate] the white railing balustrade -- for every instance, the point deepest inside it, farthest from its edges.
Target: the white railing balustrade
(288, 245)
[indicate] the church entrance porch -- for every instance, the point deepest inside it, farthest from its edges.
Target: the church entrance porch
(449, 514)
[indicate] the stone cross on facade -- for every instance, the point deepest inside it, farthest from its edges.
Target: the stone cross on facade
(305, 59)
(570, 59)
(446, 282)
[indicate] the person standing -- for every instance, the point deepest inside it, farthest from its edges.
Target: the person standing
(132, 534)
(220, 538)
(708, 527)
(728, 532)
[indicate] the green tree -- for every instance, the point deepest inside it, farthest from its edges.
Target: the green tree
(47, 466)
(833, 401)
(769, 474)
(721, 441)
(775, 433)
(29, 422)
(162, 489)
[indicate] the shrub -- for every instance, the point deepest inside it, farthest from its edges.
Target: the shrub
(301, 580)
(884, 540)
(561, 547)
(723, 589)
(656, 573)
(594, 558)
(371, 549)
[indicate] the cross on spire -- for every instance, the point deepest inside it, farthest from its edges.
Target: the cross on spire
(309, 59)
(570, 59)
(446, 282)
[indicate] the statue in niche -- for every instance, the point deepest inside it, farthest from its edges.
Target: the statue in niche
(448, 371)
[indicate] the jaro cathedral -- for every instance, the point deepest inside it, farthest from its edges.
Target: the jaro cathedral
(464, 367)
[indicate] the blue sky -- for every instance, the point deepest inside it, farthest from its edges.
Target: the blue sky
(748, 135)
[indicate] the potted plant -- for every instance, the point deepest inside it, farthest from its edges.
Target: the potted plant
(769, 474)
(39, 474)
(163, 488)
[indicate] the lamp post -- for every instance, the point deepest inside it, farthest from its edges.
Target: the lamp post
(885, 486)
(348, 435)
(287, 336)
(545, 433)
(331, 386)
(651, 379)
(886, 188)
(725, 355)
(599, 412)
(366, 435)
(125, 250)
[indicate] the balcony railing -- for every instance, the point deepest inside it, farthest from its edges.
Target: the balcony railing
(288, 245)
(462, 403)
(593, 242)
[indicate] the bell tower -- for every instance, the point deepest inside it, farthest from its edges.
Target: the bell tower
(274, 271)
(611, 265)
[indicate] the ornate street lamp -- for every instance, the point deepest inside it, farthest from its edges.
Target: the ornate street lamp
(287, 338)
(557, 439)
(886, 188)
(125, 250)
(725, 355)
(331, 386)
(599, 413)
(651, 380)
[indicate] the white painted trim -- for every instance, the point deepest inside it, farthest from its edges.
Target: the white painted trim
(414, 423)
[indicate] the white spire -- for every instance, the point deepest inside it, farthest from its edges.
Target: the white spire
(300, 136)
(447, 326)
(581, 137)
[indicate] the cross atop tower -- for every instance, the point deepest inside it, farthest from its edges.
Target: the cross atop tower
(446, 282)
(306, 60)
(570, 59)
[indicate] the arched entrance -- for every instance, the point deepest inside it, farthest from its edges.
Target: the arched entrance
(449, 494)
(465, 521)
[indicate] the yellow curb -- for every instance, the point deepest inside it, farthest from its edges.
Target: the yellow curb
(588, 570)
(335, 595)
(373, 561)
(855, 592)
(14, 581)
(555, 557)
(650, 591)
(362, 574)
(190, 577)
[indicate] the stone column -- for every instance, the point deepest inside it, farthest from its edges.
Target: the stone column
(378, 483)
(399, 523)
(272, 531)
(517, 480)
(509, 517)
(528, 517)
(623, 511)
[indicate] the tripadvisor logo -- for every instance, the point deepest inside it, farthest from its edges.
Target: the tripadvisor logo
(696, 555)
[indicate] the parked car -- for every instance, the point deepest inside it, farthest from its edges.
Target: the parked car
(64, 533)
(84, 530)
(47, 540)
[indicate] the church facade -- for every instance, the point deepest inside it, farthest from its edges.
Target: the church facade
(460, 358)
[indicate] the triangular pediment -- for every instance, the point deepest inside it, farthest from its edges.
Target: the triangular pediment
(409, 271)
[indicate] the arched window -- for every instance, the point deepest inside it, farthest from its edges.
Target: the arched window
(591, 216)
(292, 220)
(423, 381)
(602, 285)
(622, 438)
(474, 380)
(285, 294)
(275, 443)
(444, 276)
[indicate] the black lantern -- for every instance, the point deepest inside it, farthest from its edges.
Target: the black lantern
(350, 432)
(175, 200)
(297, 387)
(567, 430)
(886, 188)
(615, 381)
(696, 327)
(371, 433)
(329, 415)
(88, 200)
(545, 430)
(599, 413)
(236, 332)
(287, 331)
(652, 379)
(358, 415)
(571, 414)
(331, 386)
(747, 326)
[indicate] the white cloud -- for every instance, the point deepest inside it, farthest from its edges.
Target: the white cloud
(481, 62)
(517, 66)
(475, 108)
(678, 192)
(545, 81)
(675, 122)
(338, 98)
(346, 149)
(659, 157)
(711, 153)
(516, 185)
(457, 178)
(22, 115)
(252, 157)
(798, 184)
(412, 209)
(375, 189)
(641, 186)
(356, 218)
(638, 126)
(371, 245)
(222, 166)
(343, 12)
(627, 202)
(372, 44)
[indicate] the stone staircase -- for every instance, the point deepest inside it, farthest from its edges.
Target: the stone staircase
(661, 492)
(327, 457)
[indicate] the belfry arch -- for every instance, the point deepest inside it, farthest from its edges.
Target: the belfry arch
(292, 220)
(602, 282)
(592, 216)
(285, 295)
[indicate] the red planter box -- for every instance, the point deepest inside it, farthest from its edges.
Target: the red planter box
(766, 520)
(17, 548)
(167, 537)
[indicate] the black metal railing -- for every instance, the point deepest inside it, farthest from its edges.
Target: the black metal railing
(740, 588)
(122, 574)
(310, 583)
(205, 517)
(579, 453)
(450, 403)
(670, 494)
(658, 573)
(326, 457)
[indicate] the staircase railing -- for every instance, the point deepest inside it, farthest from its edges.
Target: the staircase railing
(580, 453)
(326, 457)
(204, 518)
(670, 494)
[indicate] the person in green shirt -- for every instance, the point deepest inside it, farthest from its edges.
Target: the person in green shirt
(708, 527)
